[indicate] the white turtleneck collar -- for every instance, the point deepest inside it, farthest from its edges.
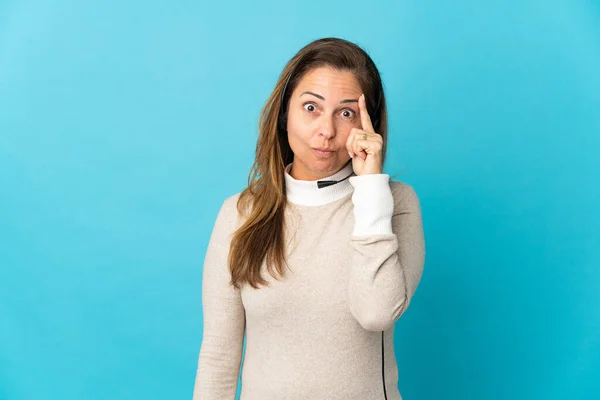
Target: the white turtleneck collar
(307, 193)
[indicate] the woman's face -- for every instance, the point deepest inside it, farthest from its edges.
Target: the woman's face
(323, 108)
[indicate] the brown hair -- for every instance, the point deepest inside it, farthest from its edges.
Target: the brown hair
(262, 233)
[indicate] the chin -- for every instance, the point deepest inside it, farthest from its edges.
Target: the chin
(329, 166)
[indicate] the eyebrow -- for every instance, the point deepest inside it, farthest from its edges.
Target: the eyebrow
(323, 98)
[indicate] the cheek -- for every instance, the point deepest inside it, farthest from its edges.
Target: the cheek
(298, 135)
(344, 128)
(299, 122)
(354, 122)
(298, 128)
(292, 118)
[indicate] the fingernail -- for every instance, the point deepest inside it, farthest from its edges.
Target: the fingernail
(350, 154)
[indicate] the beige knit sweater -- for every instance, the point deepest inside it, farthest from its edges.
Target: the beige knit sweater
(356, 252)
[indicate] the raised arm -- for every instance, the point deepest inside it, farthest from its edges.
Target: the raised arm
(389, 246)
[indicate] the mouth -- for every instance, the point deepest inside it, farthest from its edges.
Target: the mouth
(323, 152)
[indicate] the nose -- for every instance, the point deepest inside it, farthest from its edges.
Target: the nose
(327, 127)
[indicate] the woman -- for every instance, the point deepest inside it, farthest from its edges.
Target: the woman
(321, 254)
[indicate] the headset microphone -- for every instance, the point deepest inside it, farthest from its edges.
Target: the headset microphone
(322, 184)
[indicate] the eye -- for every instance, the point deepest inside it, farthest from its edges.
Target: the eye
(312, 105)
(348, 113)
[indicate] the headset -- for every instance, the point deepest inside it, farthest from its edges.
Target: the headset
(281, 126)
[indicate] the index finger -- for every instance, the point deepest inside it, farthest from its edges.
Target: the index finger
(365, 119)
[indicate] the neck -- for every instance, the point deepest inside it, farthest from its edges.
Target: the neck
(307, 192)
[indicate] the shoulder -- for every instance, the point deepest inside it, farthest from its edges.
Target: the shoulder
(230, 203)
(404, 194)
(227, 215)
(400, 188)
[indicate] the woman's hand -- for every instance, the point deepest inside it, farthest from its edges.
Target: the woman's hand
(364, 145)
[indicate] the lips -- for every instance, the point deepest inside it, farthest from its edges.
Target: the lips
(327, 153)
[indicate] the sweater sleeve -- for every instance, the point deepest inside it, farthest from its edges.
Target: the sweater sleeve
(223, 315)
(389, 250)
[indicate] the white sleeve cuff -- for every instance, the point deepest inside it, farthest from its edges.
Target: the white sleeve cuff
(373, 204)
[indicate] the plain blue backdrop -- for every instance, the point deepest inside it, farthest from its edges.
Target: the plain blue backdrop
(124, 125)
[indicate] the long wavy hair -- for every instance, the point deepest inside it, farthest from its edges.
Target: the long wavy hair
(261, 236)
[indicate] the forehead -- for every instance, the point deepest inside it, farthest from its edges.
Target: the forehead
(329, 82)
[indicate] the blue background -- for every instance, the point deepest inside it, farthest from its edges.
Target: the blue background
(124, 125)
